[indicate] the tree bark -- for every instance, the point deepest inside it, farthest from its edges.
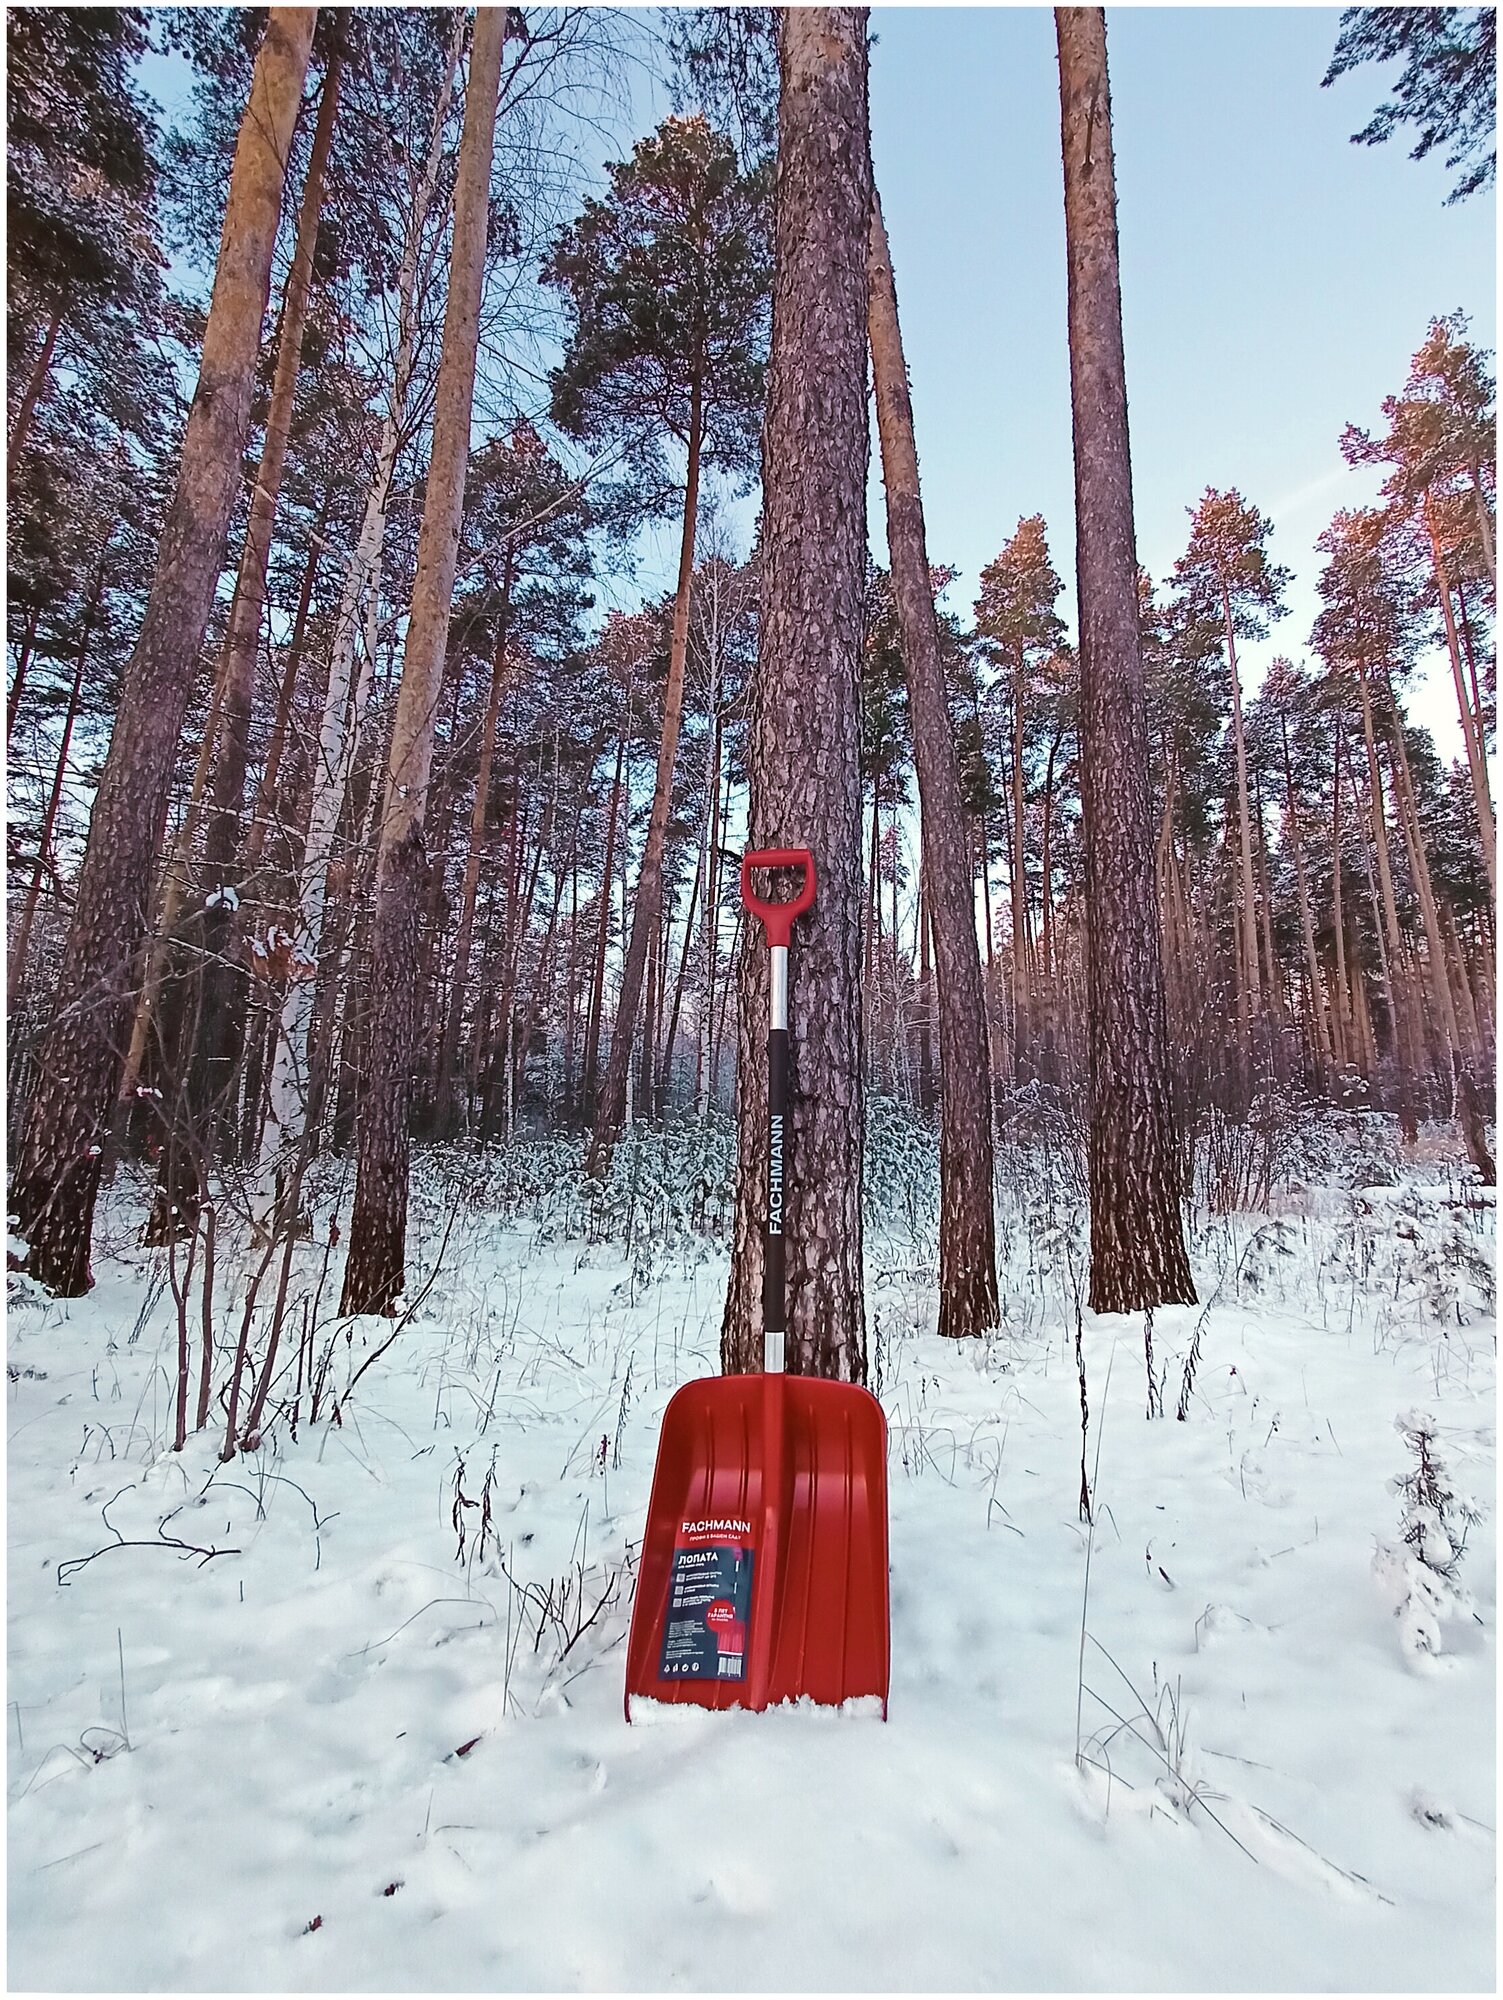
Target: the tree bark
(375, 1269)
(58, 1159)
(1138, 1256)
(804, 764)
(967, 1226)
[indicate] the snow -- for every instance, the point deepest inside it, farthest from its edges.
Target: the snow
(269, 1729)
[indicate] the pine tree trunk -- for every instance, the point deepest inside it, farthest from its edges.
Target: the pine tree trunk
(1250, 1005)
(1046, 930)
(464, 935)
(20, 941)
(927, 1094)
(267, 805)
(571, 1010)
(1344, 1020)
(706, 1023)
(1018, 890)
(603, 934)
(1445, 1021)
(58, 1158)
(1320, 1032)
(224, 973)
(375, 1269)
(804, 766)
(647, 909)
(175, 883)
(1471, 724)
(1484, 522)
(23, 661)
(967, 1228)
(1138, 1256)
(670, 1035)
(1466, 1010)
(36, 383)
(1390, 938)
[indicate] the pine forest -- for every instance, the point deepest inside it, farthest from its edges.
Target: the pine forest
(500, 503)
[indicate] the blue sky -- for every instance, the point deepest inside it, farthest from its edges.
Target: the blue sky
(1276, 278)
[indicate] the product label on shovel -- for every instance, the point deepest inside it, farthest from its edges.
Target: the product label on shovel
(709, 1603)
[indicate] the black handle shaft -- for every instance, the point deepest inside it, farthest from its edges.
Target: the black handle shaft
(774, 1302)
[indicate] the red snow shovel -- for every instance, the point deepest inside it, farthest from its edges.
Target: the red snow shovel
(763, 1572)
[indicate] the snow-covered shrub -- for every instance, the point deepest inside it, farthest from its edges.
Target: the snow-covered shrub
(1419, 1572)
(900, 1170)
(668, 1194)
(1239, 1164)
(1042, 1146)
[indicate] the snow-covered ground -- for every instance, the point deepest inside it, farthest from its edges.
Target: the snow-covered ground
(323, 1746)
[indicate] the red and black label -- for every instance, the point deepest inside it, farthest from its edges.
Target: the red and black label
(709, 1603)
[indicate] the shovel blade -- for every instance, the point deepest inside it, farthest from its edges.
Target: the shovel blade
(763, 1571)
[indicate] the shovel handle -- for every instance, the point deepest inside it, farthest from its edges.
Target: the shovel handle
(777, 918)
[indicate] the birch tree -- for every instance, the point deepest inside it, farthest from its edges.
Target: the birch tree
(375, 1268)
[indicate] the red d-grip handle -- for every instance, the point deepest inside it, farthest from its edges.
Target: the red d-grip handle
(777, 918)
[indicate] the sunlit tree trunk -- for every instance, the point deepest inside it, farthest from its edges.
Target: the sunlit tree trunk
(58, 1159)
(1138, 1256)
(1471, 726)
(211, 1064)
